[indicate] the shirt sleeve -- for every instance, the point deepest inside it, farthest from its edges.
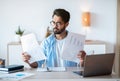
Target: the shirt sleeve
(40, 63)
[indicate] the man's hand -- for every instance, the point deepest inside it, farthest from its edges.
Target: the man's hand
(26, 57)
(81, 56)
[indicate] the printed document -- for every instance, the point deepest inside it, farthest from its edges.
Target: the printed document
(31, 46)
(15, 76)
(73, 45)
(52, 69)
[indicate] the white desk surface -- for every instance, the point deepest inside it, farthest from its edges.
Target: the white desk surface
(65, 76)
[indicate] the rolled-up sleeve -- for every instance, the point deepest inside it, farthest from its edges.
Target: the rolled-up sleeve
(40, 63)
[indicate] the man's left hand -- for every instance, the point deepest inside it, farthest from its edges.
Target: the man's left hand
(81, 56)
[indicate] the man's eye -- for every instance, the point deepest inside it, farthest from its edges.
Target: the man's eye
(58, 23)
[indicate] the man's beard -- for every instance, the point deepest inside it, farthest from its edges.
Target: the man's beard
(57, 31)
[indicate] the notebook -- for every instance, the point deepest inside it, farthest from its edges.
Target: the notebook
(11, 68)
(13, 71)
(95, 65)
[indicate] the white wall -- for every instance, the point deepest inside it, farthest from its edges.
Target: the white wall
(35, 15)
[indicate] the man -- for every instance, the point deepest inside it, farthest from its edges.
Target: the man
(53, 44)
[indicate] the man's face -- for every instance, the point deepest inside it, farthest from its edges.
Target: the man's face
(58, 25)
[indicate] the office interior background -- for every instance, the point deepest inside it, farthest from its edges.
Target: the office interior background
(35, 16)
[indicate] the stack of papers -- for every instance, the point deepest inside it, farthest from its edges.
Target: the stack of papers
(51, 69)
(11, 68)
(32, 47)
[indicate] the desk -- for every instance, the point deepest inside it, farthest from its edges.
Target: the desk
(65, 76)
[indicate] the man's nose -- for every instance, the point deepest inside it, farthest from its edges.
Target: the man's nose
(55, 26)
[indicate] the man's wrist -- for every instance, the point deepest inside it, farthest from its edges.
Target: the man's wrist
(33, 65)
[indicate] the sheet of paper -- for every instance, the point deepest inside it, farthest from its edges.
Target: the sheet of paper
(42, 69)
(49, 69)
(57, 69)
(15, 76)
(74, 44)
(31, 46)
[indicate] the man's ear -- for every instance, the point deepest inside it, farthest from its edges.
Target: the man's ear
(66, 24)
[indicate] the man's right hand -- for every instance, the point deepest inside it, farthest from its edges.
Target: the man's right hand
(26, 57)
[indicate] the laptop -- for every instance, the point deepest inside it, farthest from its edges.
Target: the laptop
(99, 64)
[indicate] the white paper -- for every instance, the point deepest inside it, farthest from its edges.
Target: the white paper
(15, 76)
(57, 69)
(53, 69)
(42, 69)
(74, 44)
(31, 46)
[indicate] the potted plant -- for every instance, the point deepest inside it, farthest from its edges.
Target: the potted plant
(18, 33)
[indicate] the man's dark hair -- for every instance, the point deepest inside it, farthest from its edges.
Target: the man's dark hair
(65, 15)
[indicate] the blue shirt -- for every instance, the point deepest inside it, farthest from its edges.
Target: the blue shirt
(48, 46)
